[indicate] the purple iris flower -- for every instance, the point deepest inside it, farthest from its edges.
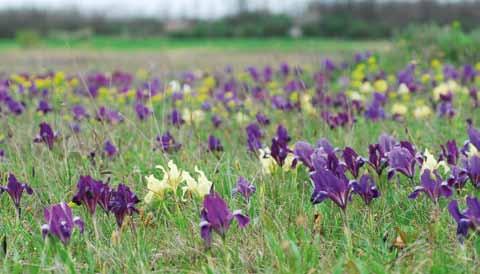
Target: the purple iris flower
(267, 74)
(284, 69)
(282, 135)
(407, 77)
(387, 142)
(323, 157)
(402, 159)
(328, 185)
(336, 120)
(44, 107)
(167, 143)
(375, 110)
(353, 161)
(458, 177)
(46, 135)
(303, 152)
(279, 102)
(122, 203)
(79, 112)
(325, 146)
(142, 111)
(75, 127)
(377, 153)
(216, 121)
(445, 107)
(468, 73)
(111, 116)
(473, 93)
(433, 186)
(279, 149)
(217, 217)
(175, 118)
(244, 188)
(214, 144)
(468, 219)
(254, 73)
(14, 107)
(366, 189)
(110, 149)
(206, 106)
(472, 168)
(254, 137)
(450, 72)
(262, 119)
(60, 222)
(450, 152)
(90, 192)
(328, 65)
(377, 158)
(15, 189)
(473, 135)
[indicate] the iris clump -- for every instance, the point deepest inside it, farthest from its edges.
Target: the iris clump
(123, 203)
(110, 149)
(433, 186)
(468, 219)
(15, 189)
(90, 193)
(173, 177)
(366, 189)
(328, 185)
(244, 188)
(60, 222)
(166, 143)
(214, 144)
(46, 135)
(217, 217)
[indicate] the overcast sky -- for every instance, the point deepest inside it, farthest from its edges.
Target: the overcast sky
(157, 8)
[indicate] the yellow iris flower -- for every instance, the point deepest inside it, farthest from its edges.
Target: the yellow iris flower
(432, 164)
(199, 187)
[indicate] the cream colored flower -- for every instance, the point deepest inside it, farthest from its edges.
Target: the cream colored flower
(268, 163)
(172, 176)
(242, 118)
(399, 109)
(156, 188)
(432, 164)
(472, 151)
(366, 87)
(287, 165)
(199, 187)
(193, 117)
(422, 112)
(403, 89)
(381, 85)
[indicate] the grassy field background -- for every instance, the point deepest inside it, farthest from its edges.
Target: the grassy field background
(163, 55)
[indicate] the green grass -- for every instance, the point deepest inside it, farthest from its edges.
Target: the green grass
(287, 234)
(239, 44)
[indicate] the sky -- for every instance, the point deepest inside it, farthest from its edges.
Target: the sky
(160, 8)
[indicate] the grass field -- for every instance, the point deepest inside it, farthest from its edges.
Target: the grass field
(164, 55)
(238, 44)
(286, 232)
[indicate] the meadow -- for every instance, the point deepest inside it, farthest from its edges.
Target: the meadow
(253, 157)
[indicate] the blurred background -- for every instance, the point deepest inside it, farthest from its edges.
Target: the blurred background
(161, 34)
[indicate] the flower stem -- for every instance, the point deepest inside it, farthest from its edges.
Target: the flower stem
(18, 212)
(348, 235)
(95, 227)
